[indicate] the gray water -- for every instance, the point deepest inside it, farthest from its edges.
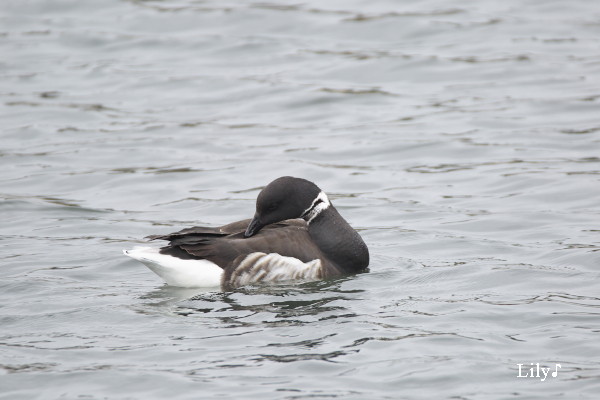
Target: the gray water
(459, 138)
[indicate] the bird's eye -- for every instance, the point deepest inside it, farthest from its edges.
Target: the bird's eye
(272, 207)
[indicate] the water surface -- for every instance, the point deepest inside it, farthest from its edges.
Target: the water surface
(459, 138)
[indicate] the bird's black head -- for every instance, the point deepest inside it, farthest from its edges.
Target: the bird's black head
(286, 198)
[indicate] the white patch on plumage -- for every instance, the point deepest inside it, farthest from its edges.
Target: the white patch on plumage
(178, 272)
(271, 268)
(311, 212)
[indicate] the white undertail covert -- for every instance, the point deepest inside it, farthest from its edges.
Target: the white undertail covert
(178, 272)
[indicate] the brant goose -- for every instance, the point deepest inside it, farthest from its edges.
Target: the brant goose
(296, 234)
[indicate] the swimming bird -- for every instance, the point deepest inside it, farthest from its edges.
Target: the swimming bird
(295, 234)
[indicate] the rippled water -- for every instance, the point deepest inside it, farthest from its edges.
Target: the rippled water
(460, 138)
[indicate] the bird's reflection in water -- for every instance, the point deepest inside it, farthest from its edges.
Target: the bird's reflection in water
(279, 304)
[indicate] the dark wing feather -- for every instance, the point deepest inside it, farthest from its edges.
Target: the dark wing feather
(225, 244)
(202, 231)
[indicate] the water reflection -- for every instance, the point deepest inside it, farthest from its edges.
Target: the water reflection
(277, 304)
